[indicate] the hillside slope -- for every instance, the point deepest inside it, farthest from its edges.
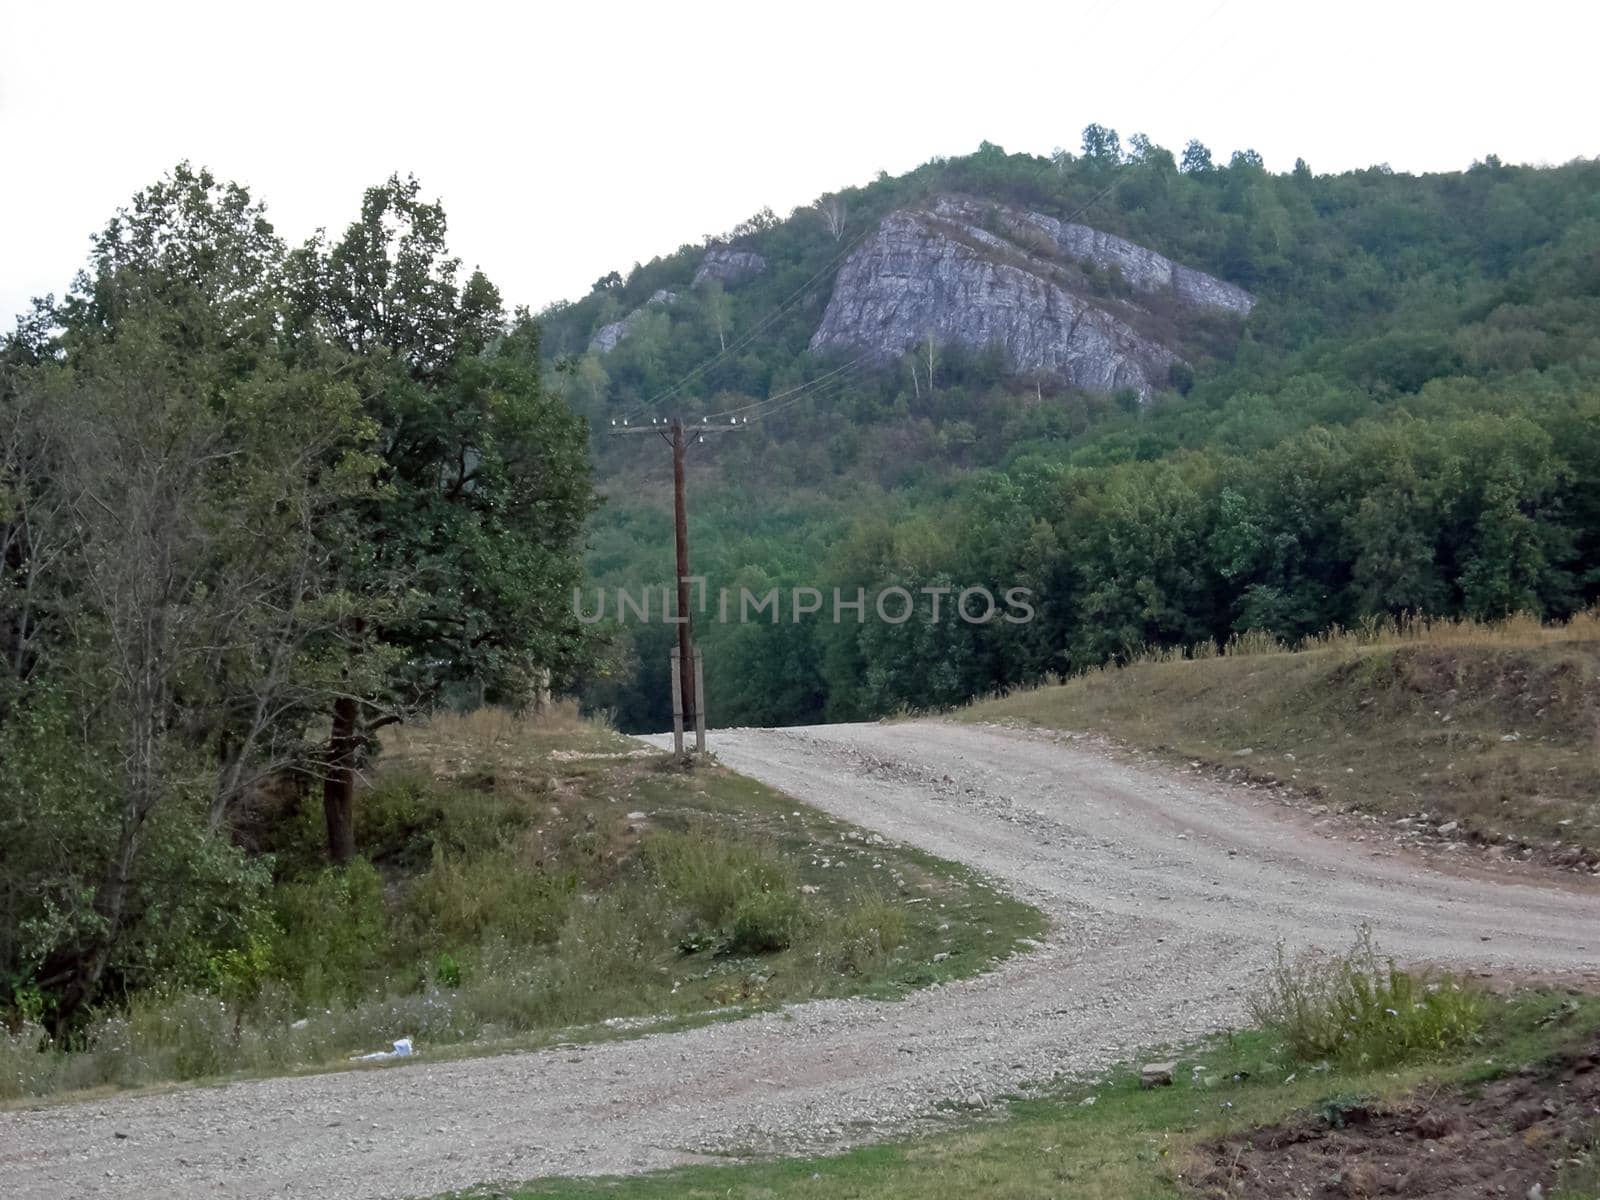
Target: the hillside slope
(1175, 403)
(1488, 735)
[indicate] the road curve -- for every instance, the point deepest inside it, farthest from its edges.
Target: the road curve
(1167, 894)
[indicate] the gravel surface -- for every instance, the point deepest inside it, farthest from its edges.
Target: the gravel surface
(1167, 894)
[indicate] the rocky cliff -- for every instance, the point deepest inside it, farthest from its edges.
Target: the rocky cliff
(730, 266)
(606, 337)
(1141, 268)
(975, 274)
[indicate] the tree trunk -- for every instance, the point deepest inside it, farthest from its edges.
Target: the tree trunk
(339, 785)
(79, 969)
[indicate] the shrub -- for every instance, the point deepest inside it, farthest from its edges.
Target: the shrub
(1364, 1011)
(399, 814)
(863, 934)
(710, 874)
(182, 1035)
(605, 963)
(447, 971)
(764, 922)
(460, 902)
(332, 933)
(28, 1065)
(407, 814)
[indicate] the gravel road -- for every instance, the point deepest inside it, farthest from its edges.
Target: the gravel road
(1167, 894)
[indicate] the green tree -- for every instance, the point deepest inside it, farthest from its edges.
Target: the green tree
(1101, 145)
(189, 488)
(471, 538)
(1196, 159)
(1141, 578)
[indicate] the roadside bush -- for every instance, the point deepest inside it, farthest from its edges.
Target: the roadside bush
(1360, 1010)
(28, 1064)
(711, 875)
(765, 922)
(400, 813)
(606, 963)
(332, 933)
(863, 935)
(179, 1035)
(459, 902)
(406, 815)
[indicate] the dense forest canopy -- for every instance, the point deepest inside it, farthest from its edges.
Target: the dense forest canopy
(1408, 421)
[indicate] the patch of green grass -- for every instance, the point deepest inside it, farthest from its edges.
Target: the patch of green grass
(882, 919)
(1129, 1144)
(712, 874)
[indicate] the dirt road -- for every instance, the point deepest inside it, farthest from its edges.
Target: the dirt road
(1167, 894)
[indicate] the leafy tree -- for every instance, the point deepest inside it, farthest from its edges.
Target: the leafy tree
(468, 543)
(1139, 580)
(1101, 145)
(187, 487)
(1196, 159)
(1145, 153)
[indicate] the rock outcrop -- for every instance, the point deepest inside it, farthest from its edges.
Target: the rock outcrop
(607, 336)
(1141, 268)
(944, 273)
(730, 266)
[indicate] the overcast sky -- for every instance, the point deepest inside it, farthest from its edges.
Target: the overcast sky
(568, 143)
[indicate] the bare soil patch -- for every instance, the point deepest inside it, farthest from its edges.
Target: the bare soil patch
(1526, 1135)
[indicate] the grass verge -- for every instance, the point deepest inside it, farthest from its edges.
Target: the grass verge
(1110, 1139)
(1493, 727)
(522, 883)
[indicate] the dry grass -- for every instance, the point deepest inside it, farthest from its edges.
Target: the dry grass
(495, 739)
(1495, 726)
(1520, 631)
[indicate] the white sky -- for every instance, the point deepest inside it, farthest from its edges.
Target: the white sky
(570, 140)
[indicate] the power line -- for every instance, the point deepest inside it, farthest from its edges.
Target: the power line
(754, 332)
(829, 391)
(811, 383)
(639, 410)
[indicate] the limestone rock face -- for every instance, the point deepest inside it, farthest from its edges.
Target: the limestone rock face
(607, 336)
(943, 272)
(730, 266)
(1141, 268)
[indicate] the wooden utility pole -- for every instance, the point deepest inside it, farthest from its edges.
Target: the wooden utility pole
(687, 682)
(680, 529)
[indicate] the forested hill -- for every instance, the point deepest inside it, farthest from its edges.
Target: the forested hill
(1177, 399)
